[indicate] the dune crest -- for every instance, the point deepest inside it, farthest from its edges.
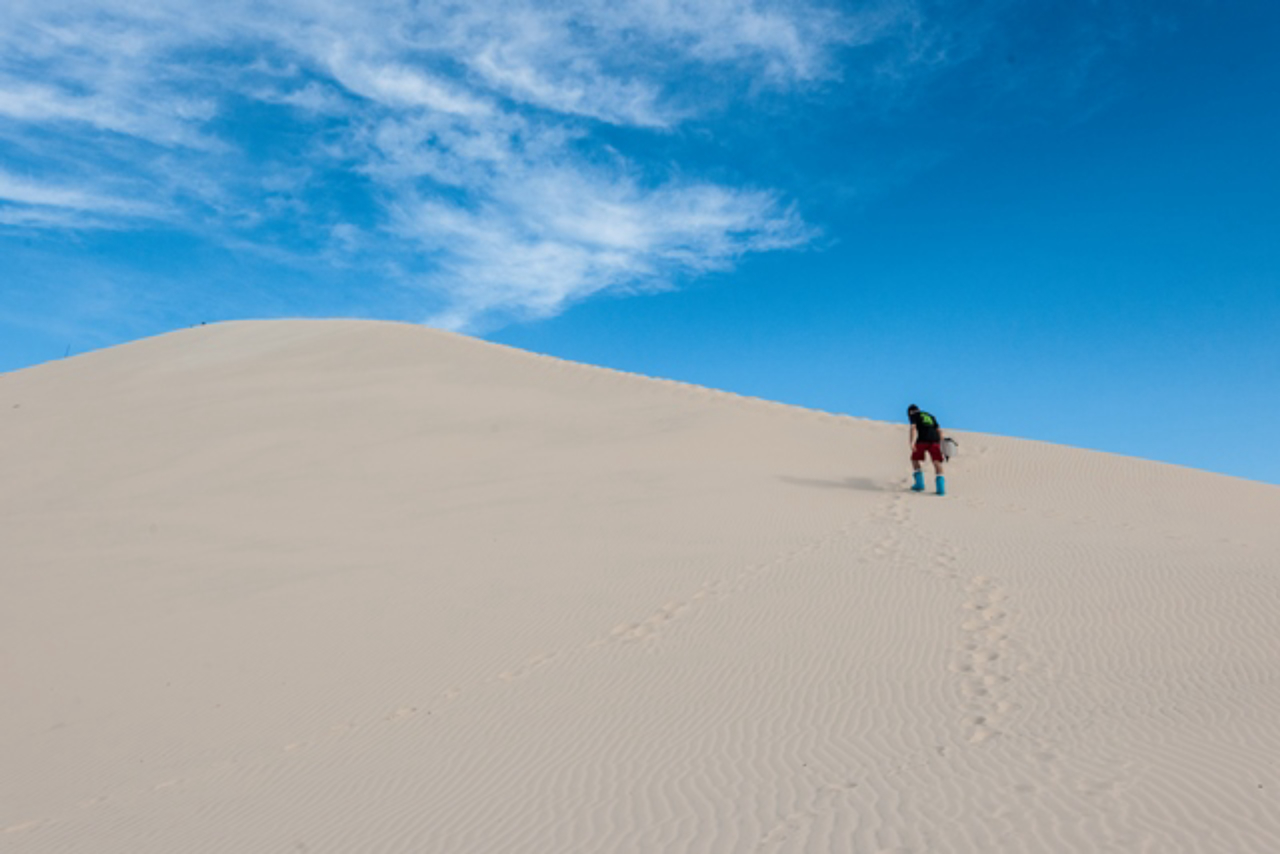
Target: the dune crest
(352, 586)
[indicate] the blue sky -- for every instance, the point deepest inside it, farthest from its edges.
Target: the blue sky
(1051, 220)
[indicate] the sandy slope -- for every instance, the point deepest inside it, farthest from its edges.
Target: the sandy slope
(338, 587)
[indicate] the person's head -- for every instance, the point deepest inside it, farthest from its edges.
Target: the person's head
(912, 410)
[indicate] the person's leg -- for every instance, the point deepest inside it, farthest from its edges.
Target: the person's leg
(939, 481)
(917, 456)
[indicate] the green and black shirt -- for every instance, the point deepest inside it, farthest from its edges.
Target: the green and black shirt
(927, 432)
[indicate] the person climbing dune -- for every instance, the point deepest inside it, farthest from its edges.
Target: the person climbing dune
(926, 437)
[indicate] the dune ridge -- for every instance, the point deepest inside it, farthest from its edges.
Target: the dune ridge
(355, 586)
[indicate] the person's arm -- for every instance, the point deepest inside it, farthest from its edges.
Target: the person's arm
(911, 437)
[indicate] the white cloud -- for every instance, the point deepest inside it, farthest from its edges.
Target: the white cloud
(16, 190)
(471, 124)
(554, 239)
(399, 86)
(44, 104)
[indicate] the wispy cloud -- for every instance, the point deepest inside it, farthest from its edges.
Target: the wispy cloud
(26, 202)
(557, 238)
(465, 134)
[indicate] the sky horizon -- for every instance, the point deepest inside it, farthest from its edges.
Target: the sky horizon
(1053, 223)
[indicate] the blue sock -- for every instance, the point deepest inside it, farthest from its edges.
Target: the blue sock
(918, 486)
(941, 483)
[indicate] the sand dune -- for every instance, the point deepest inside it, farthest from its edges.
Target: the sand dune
(362, 587)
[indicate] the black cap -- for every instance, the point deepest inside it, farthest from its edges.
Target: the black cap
(912, 408)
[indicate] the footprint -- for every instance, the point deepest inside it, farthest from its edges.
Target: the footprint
(26, 825)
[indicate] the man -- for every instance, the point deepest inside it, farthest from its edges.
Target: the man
(925, 438)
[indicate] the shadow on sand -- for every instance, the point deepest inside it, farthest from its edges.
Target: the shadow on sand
(865, 484)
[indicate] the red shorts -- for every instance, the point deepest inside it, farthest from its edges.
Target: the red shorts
(933, 449)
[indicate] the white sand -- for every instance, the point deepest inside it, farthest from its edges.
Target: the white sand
(359, 587)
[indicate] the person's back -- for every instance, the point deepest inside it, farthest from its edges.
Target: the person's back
(927, 432)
